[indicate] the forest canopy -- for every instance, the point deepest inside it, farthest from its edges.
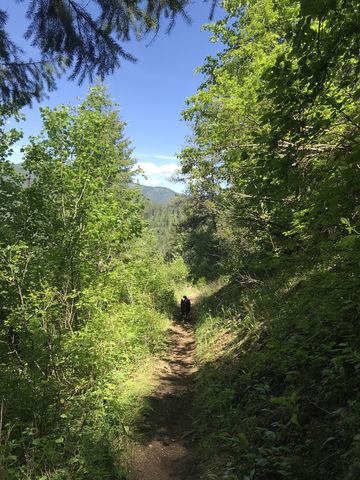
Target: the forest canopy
(275, 131)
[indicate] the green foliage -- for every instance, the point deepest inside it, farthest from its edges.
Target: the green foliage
(85, 299)
(163, 221)
(10, 182)
(273, 164)
(275, 161)
(200, 239)
(277, 394)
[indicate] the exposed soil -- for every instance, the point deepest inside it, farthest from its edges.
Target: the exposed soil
(167, 449)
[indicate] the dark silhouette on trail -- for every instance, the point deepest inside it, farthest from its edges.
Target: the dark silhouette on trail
(185, 306)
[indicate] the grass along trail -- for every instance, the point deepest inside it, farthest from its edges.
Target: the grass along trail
(167, 446)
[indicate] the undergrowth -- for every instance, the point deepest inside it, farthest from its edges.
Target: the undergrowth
(71, 414)
(277, 393)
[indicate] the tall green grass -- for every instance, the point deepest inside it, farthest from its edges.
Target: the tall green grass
(278, 392)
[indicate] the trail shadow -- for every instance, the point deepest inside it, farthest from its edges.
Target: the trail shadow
(279, 338)
(166, 440)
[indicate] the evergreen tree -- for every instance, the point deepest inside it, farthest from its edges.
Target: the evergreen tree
(86, 40)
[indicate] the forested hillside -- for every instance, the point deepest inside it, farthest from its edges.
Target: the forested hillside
(163, 222)
(158, 195)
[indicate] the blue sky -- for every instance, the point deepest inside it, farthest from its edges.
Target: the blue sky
(151, 92)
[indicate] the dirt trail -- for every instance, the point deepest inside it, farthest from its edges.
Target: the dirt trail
(166, 452)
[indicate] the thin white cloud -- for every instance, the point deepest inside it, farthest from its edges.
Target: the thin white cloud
(156, 175)
(149, 168)
(155, 155)
(165, 157)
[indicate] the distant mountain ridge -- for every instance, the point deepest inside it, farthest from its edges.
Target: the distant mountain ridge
(160, 195)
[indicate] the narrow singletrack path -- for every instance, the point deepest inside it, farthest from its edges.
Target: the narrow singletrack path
(167, 449)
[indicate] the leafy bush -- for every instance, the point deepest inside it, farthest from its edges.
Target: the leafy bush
(85, 299)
